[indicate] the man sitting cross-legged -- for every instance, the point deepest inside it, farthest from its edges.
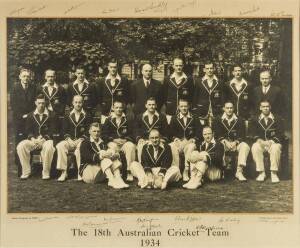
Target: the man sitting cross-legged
(98, 162)
(155, 170)
(207, 161)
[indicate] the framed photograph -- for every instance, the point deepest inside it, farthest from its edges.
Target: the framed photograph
(149, 124)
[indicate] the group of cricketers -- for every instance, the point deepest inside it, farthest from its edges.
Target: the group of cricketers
(181, 128)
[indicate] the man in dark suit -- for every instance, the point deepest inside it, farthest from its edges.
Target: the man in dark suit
(208, 96)
(22, 99)
(271, 93)
(40, 128)
(267, 132)
(111, 88)
(143, 89)
(185, 133)
(98, 162)
(74, 131)
(118, 133)
(56, 96)
(155, 170)
(177, 86)
(147, 121)
(81, 86)
(208, 161)
(239, 92)
(230, 131)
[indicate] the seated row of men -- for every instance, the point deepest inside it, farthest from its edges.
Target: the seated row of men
(157, 142)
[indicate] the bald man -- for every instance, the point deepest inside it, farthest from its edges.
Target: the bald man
(145, 88)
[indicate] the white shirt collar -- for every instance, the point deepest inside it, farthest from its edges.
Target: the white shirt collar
(99, 141)
(81, 112)
(110, 77)
(146, 113)
(271, 116)
(54, 85)
(233, 117)
(113, 115)
(23, 85)
(145, 80)
(266, 87)
(182, 76)
(160, 145)
(212, 141)
(84, 81)
(46, 112)
(188, 115)
(206, 77)
(234, 81)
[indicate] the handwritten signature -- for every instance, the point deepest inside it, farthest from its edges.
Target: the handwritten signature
(147, 223)
(185, 5)
(35, 10)
(73, 7)
(160, 6)
(249, 11)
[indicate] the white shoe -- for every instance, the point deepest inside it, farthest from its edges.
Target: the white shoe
(164, 185)
(24, 177)
(274, 177)
(129, 176)
(79, 178)
(194, 184)
(45, 177)
(261, 177)
(63, 176)
(239, 175)
(185, 175)
(121, 182)
(186, 185)
(143, 184)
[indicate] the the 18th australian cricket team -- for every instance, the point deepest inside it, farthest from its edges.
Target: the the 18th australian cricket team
(203, 121)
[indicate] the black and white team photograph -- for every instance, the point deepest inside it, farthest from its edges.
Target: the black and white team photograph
(185, 115)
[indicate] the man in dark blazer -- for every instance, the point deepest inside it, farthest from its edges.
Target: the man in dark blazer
(118, 133)
(22, 98)
(156, 169)
(147, 121)
(271, 93)
(239, 92)
(143, 89)
(74, 131)
(81, 86)
(208, 95)
(98, 162)
(56, 96)
(40, 129)
(207, 161)
(230, 131)
(267, 133)
(177, 86)
(185, 132)
(111, 88)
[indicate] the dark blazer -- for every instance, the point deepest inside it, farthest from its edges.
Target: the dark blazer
(142, 127)
(89, 154)
(216, 154)
(275, 96)
(240, 99)
(89, 94)
(75, 130)
(22, 101)
(272, 131)
(236, 131)
(47, 128)
(139, 94)
(204, 96)
(172, 92)
(112, 131)
(108, 94)
(193, 128)
(164, 158)
(58, 99)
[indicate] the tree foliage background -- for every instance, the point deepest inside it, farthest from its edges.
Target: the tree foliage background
(63, 43)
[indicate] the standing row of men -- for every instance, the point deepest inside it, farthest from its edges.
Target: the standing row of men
(178, 93)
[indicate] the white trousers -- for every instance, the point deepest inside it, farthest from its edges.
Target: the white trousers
(243, 151)
(172, 174)
(96, 173)
(258, 156)
(128, 148)
(182, 146)
(63, 148)
(26, 146)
